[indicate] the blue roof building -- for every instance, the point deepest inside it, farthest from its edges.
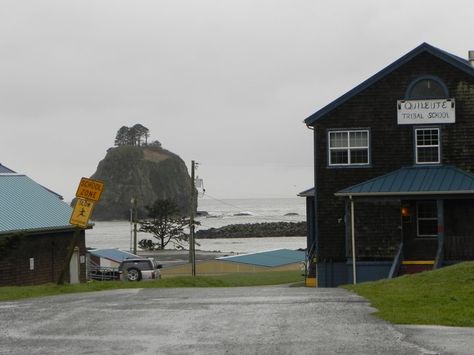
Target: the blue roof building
(270, 258)
(27, 206)
(35, 233)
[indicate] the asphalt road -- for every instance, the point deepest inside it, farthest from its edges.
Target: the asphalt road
(249, 320)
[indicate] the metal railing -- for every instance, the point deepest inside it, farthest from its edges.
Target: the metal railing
(395, 268)
(309, 261)
(439, 254)
(102, 273)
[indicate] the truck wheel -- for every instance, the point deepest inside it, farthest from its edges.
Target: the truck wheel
(133, 274)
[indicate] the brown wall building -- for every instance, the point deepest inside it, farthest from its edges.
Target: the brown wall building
(35, 234)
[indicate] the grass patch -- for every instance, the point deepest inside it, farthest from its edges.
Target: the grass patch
(231, 280)
(439, 297)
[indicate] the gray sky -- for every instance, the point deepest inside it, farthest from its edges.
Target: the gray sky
(226, 83)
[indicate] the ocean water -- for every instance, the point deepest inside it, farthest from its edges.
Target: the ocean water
(239, 211)
(117, 234)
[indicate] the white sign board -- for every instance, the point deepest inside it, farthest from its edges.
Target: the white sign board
(426, 111)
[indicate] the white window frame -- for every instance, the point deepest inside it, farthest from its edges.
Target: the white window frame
(428, 145)
(348, 148)
(418, 219)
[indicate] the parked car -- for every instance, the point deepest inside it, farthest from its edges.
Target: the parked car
(139, 269)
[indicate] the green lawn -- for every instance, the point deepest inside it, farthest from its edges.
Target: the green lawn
(231, 280)
(442, 297)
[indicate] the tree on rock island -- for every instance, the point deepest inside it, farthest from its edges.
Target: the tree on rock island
(166, 225)
(135, 136)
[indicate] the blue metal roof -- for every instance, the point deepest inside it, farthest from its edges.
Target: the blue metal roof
(5, 170)
(27, 206)
(113, 254)
(452, 59)
(271, 258)
(416, 180)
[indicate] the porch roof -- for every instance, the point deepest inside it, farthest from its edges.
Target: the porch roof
(415, 180)
(307, 193)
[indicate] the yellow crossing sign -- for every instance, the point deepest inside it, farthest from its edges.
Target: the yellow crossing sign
(82, 212)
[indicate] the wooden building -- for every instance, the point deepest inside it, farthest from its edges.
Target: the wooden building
(394, 172)
(35, 234)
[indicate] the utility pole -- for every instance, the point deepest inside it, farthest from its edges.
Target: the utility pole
(134, 217)
(192, 249)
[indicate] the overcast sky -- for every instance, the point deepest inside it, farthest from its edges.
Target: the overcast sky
(226, 83)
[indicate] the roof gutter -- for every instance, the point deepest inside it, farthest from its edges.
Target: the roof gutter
(419, 193)
(43, 230)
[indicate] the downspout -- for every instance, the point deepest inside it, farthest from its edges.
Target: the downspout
(354, 270)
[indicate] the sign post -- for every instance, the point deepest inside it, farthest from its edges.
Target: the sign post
(88, 193)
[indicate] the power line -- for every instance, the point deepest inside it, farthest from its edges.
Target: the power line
(222, 201)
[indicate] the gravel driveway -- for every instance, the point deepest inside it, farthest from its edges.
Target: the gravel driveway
(247, 320)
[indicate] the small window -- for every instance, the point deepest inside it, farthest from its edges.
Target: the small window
(348, 148)
(426, 88)
(427, 145)
(427, 219)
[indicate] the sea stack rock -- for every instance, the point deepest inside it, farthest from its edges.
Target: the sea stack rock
(145, 173)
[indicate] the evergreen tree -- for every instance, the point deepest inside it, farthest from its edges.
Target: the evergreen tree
(166, 225)
(132, 135)
(121, 137)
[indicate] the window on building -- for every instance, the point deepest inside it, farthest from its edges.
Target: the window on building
(426, 88)
(348, 147)
(427, 145)
(427, 219)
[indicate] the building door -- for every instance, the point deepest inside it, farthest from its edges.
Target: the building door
(74, 268)
(420, 230)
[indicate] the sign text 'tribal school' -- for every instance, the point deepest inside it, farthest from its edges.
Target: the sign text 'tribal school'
(426, 111)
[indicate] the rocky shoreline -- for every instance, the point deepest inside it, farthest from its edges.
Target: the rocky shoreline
(255, 230)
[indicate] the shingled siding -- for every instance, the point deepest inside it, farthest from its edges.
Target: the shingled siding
(48, 251)
(391, 147)
(459, 232)
(381, 238)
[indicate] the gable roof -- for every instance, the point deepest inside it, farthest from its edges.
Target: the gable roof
(26, 206)
(5, 170)
(416, 180)
(271, 258)
(452, 59)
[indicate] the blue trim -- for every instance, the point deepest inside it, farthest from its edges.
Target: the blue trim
(368, 270)
(427, 77)
(333, 274)
(455, 61)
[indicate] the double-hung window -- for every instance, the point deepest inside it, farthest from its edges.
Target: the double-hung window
(348, 147)
(427, 219)
(427, 145)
